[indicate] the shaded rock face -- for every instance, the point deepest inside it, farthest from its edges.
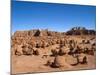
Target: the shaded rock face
(37, 33)
(27, 33)
(80, 31)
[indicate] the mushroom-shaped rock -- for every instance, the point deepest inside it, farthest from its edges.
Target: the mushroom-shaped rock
(27, 50)
(61, 52)
(54, 52)
(59, 61)
(18, 50)
(36, 52)
(82, 58)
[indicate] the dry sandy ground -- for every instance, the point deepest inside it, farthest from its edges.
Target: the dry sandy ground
(29, 64)
(34, 64)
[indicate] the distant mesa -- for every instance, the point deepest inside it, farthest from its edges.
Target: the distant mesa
(80, 31)
(36, 33)
(46, 32)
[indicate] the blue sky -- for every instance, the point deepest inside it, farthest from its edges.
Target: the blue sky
(56, 17)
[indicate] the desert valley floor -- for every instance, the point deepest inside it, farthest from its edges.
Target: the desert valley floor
(48, 53)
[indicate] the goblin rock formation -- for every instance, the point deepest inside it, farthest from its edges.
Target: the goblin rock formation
(54, 49)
